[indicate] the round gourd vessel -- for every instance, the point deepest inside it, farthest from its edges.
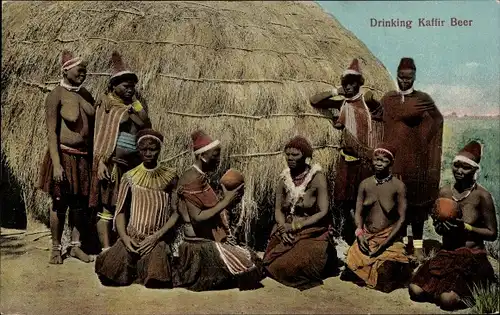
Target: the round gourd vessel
(446, 209)
(232, 179)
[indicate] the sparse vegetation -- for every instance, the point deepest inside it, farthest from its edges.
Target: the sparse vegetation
(485, 299)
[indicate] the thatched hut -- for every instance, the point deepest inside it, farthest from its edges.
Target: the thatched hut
(243, 71)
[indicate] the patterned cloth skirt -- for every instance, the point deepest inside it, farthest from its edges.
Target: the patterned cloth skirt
(207, 265)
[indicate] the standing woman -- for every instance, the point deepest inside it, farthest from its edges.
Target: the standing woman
(448, 278)
(359, 118)
(300, 252)
(414, 125)
(119, 116)
(65, 173)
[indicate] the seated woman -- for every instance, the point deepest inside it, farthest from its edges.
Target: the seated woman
(144, 215)
(300, 252)
(207, 261)
(447, 278)
(377, 258)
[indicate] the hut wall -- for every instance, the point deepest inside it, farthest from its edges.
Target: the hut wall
(243, 71)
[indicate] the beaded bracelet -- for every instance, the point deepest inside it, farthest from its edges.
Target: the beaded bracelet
(57, 247)
(296, 226)
(468, 227)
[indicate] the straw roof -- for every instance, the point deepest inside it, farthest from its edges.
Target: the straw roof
(243, 71)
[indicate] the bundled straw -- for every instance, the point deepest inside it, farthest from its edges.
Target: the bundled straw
(243, 71)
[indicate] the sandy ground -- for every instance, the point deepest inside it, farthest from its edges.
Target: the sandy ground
(29, 285)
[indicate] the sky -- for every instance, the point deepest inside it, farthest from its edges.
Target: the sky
(459, 66)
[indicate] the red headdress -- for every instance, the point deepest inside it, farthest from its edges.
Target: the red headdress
(353, 68)
(470, 154)
(202, 142)
(119, 72)
(68, 61)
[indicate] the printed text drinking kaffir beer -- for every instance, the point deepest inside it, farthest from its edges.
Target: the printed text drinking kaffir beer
(421, 22)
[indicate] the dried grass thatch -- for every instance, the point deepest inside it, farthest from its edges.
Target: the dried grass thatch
(243, 71)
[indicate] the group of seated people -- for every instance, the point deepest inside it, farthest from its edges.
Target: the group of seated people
(173, 231)
(301, 250)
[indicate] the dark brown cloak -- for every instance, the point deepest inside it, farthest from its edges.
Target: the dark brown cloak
(415, 128)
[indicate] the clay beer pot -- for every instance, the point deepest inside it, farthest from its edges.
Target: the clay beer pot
(446, 209)
(232, 179)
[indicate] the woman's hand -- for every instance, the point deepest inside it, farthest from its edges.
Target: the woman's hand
(130, 244)
(58, 173)
(377, 251)
(287, 238)
(281, 229)
(338, 125)
(442, 227)
(439, 227)
(148, 244)
(287, 227)
(232, 195)
(363, 245)
(102, 171)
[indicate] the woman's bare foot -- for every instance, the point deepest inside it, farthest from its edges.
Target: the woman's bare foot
(55, 257)
(79, 254)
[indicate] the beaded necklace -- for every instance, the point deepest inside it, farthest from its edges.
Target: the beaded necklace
(461, 196)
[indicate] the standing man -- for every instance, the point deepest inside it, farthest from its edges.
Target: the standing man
(359, 113)
(414, 125)
(65, 173)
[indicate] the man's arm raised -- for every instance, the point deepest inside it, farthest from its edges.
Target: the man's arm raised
(323, 100)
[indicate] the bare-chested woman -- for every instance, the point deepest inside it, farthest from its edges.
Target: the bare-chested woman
(119, 116)
(462, 262)
(65, 172)
(300, 252)
(377, 256)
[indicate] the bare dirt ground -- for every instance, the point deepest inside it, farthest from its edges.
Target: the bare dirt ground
(29, 285)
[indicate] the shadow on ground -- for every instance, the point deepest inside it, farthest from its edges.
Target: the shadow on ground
(13, 212)
(12, 246)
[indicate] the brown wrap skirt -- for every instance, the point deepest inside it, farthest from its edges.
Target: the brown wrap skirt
(457, 270)
(76, 165)
(305, 263)
(119, 267)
